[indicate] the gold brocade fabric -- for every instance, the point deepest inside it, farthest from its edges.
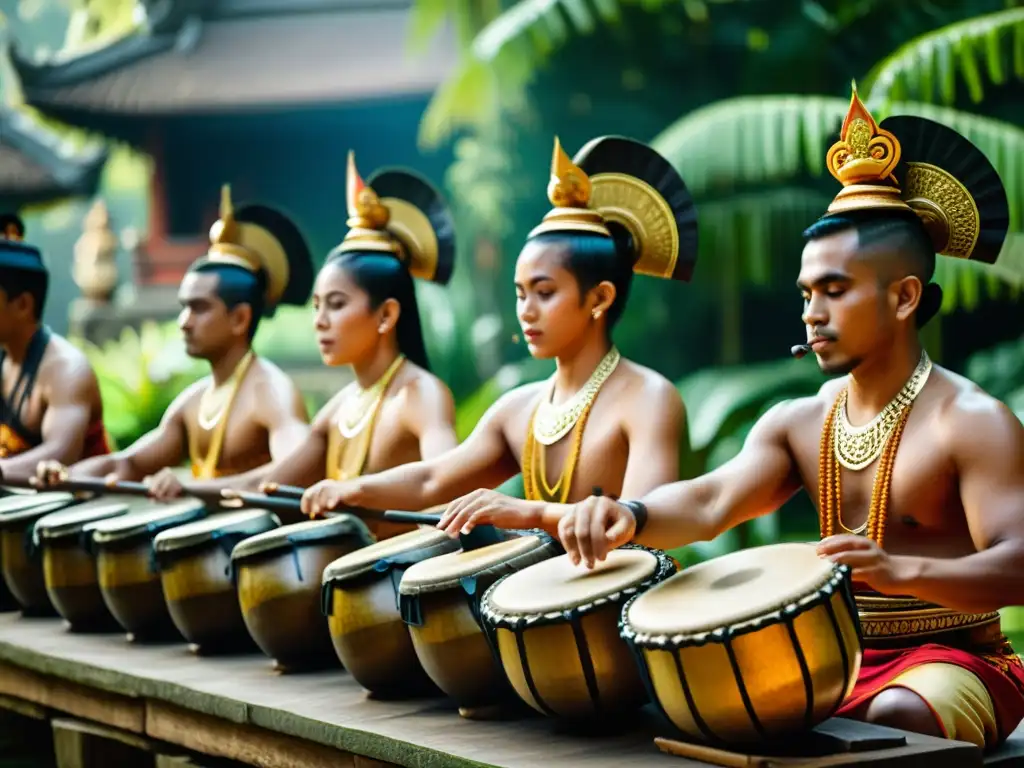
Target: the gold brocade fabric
(886, 621)
(11, 443)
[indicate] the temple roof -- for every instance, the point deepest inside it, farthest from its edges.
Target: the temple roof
(217, 56)
(37, 165)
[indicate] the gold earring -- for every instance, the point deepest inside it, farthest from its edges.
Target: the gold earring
(381, 328)
(597, 313)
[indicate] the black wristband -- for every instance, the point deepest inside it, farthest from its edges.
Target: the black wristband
(639, 512)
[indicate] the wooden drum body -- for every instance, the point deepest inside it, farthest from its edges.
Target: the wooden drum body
(69, 568)
(556, 628)
(360, 601)
(129, 578)
(197, 579)
(748, 647)
(21, 562)
(440, 602)
(279, 575)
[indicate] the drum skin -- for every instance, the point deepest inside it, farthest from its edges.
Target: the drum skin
(360, 601)
(198, 581)
(556, 628)
(129, 578)
(21, 561)
(279, 585)
(764, 676)
(439, 602)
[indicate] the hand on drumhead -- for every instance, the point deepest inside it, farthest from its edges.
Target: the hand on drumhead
(868, 562)
(164, 485)
(485, 506)
(326, 496)
(593, 528)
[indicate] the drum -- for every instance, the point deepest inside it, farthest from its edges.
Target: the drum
(22, 567)
(360, 601)
(197, 580)
(279, 575)
(750, 646)
(556, 629)
(439, 600)
(69, 568)
(126, 566)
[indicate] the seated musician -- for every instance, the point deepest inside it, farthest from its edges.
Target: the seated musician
(600, 420)
(919, 475)
(396, 411)
(50, 406)
(234, 423)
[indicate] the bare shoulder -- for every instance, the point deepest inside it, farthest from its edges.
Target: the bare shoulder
(644, 388)
(66, 365)
(271, 379)
(970, 419)
(420, 388)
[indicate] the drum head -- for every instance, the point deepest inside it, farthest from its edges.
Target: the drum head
(730, 590)
(303, 534)
(248, 522)
(147, 521)
(445, 571)
(363, 560)
(21, 508)
(556, 585)
(70, 522)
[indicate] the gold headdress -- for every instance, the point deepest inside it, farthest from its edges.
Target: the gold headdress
(621, 182)
(256, 238)
(398, 212)
(913, 164)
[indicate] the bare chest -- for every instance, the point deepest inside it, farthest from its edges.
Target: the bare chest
(242, 444)
(597, 456)
(392, 444)
(921, 513)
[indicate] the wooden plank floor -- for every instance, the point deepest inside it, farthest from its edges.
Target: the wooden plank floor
(326, 708)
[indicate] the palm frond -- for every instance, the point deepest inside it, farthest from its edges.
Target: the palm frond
(988, 47)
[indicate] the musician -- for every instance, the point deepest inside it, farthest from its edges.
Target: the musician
(50, 406)
(918, 474)
(600, 420)
(396, 411)
(232, 424)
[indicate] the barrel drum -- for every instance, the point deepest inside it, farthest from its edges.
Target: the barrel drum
(279, 574)
(439, 600)
(21, 562)
(749, 647)
(360, 601)
(198, 582)
(556, 629)
(126, 566)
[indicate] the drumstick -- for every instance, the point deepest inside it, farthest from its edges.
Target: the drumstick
(292, 504)
(285, 491)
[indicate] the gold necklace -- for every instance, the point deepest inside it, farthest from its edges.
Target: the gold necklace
(214, 400)
(358, 408)
(857, 447)
(552, 422)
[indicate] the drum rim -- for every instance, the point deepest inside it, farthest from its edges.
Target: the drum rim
(52, 530)
(442, 545)
(838, 580)
(165, 541)
(334, 528)
(179, 514)
(665, 567)
(36, 512)
(545, 541)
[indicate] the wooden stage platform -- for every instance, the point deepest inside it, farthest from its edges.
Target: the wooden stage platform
(238, 708)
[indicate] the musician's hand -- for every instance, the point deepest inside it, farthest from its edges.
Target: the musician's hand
(267, 487)
(869, 563)
(49, 473)
(486, 506)
(327, 496)
(594, 527)
(164, 485)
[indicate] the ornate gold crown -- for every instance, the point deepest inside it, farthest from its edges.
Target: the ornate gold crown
(569, 190)
(249, 246)
(867, 159)
(388, 225)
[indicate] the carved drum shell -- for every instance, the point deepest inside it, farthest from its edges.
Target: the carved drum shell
(279, 575)
(751, 646)
(360, 601)
(197, 580)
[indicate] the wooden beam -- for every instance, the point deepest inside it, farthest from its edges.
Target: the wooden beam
(78, 744)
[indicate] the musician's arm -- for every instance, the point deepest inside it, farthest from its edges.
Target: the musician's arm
(307, 463)
(428, 411)
(756, 482)
(653, 424)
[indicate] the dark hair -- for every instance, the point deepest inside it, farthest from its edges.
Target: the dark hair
(595, 258)
(15, 282)
(384, 277)
(6, 219)
(904, 241)
(237, 285)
